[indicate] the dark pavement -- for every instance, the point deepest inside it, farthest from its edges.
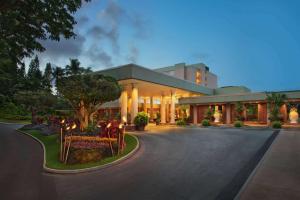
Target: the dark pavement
(172, 163)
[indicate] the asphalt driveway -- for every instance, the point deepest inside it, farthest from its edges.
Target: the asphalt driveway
(172, 163)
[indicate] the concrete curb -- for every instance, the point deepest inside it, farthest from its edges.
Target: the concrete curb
(90, 169)
(251, 176)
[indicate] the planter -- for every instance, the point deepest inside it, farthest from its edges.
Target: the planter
(140, 128)
(217, 116)
(294, 116)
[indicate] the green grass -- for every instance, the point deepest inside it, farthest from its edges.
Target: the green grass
(15, 121)
(52, 151)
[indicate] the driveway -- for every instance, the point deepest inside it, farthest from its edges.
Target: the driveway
(172, 163)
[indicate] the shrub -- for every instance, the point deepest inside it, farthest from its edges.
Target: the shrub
(238, 124)
(205, 122)
(180, 122)
(84, 156)
(276, 124)
(141, 119)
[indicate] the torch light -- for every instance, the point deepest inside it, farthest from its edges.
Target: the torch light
(61, 138)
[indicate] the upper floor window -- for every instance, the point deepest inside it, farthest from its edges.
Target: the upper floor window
(198, 77)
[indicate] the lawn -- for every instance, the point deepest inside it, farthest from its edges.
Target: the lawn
(52, 151)
(15, 121)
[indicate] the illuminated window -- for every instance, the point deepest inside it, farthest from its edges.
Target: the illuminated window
(198, 77)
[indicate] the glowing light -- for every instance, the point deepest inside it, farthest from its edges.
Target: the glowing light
(74, 126)
(108, 125)
(62, 121)
(120, 126)
(68, 128)
(124, 119)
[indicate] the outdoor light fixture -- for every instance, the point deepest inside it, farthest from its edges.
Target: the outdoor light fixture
(108, 125)
(61, 138)
(74, 126)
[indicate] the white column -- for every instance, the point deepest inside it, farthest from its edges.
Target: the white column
(134, 103)
(195, 114)
(151, 108)
(163, 110)
(228, 113)
(123, 98)
(172, 113)
(145, 104)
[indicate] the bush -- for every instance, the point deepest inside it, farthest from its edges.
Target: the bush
(238, 124)
(205, 122)
(180, 122)
(84, 156)
(276, 124)
(141, 119)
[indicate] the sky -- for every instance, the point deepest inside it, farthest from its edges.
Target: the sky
(254, 43)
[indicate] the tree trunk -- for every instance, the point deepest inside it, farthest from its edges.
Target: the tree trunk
(83, 117)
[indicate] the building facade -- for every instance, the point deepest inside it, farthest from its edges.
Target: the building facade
(189, 91)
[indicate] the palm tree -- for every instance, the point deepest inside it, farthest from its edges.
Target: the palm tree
(275, 100)
(74, 67)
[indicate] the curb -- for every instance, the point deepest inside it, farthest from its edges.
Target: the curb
(90, 169)
(259, 164)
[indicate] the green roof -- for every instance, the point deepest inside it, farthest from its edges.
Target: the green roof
(133, 71)
(229, 98)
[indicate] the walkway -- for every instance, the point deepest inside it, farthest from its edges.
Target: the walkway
(172, 163)
(278, 176)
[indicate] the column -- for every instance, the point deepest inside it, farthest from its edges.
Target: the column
(124, 98)
(163, 110)
(195, 114)
(172, 109)
(151, 108)
(145, 105)
(134, 103)
(228, 114)
(268, 113)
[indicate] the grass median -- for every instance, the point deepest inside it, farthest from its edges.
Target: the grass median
(52, 151)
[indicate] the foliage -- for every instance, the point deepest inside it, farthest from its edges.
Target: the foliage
(34, 75)
(205, 122)
(181, 122)
(86, 93)
(52, 151)
(239, 109)
(238, 124)
(276, 124)
(141, 119)
(25, 24)
(275, 101)
(91, 128)
(84, 156)
(208, 114)
(47, 77)
(158, 118)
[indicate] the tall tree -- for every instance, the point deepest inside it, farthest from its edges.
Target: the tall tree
(24, 24)
(58, 73)
(34, 75)
(73, 68)
(86, 93)
(47, 77)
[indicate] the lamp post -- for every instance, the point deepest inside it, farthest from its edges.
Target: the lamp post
(61, 139)
(72, 128)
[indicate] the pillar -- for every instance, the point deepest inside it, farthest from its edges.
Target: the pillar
(145, 105)
(172, 109)
(124, 98)
(228, 114)
(195, 114)
(268, 113)
(151, 108)
(163, 110)
(134, 103)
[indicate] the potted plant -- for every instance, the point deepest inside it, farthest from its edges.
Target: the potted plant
(141, 120)
(158, 118)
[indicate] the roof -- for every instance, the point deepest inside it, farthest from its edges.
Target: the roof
(228, 98)
(133, 71)
(180, 65)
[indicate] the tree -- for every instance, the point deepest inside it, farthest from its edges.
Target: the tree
(8, 77)
(58, 73)
(24, 24)
(34, 75)
(47, 77)
(35, 101)
(87, 92)
(275, 101)
(239, 109)
(73, 68)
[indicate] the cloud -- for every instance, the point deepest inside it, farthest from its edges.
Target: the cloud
(133, 54)
(64, 48)
(81, 21)
(97, 55)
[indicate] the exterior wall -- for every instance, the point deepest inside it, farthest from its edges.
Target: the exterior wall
(201, 112)
(262, 115)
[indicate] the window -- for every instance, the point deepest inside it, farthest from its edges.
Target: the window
(198, 77)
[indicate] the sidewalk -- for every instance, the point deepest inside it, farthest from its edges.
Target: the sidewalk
(278, 175)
